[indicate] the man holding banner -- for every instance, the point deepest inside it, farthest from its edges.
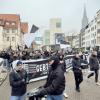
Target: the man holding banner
(55, 84)
(18, 78)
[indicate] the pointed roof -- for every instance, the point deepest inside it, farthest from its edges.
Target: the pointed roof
(85, 18)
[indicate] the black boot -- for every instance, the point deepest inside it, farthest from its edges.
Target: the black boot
(78, 89)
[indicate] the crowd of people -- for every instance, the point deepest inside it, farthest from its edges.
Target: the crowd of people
(26, 54)
(56, 80)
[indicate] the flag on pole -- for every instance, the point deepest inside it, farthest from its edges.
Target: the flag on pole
(34, 29)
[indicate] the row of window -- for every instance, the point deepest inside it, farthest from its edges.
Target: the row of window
(93, 42)
(10, 39)
(93, 35)
(10, 31)
(92, 28)
(8, 23)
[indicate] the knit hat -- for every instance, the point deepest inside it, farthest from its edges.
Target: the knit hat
(55, 58)
(19, 63)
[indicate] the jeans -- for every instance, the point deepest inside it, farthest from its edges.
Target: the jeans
(18, 97)
(55, 97)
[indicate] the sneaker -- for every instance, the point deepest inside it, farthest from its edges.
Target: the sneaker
(78, 90)
(98, 83)
(65, 95)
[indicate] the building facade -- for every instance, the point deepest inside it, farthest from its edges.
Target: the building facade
(56, 30)
(76, 41)
(54, 34)
(73, 40)
(11, 31)
(46, 37)
(82, 31)
(92, 33)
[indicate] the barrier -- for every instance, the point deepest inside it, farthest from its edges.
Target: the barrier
(3, 71)
(38, 69)
(1, 62)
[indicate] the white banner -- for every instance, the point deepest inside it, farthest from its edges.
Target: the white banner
(28, 39)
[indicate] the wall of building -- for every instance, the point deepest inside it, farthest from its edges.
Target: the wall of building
(46, 37)
(55, 27)
(12, 37)
(11, 32)
(1, 38)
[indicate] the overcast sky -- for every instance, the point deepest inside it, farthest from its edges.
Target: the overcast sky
(39, 12)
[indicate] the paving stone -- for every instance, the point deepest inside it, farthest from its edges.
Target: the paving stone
(89, 90)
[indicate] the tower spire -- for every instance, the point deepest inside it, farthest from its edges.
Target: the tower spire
(84, 19)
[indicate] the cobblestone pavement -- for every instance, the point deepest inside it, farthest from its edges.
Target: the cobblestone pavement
(89, 90)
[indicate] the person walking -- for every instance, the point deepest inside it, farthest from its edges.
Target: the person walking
(77, 70)
(62, 61)
(94, 66)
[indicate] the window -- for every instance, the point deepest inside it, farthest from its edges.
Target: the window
(0, 21)
(58, 25)
(7, 38)
(98, 31)
(98, 22)
(88, 30)
(92, 29)
(13, 38)
(95, 26)
(95, 41)
(7, 30)
(4, 31)
(14, 30)
(13, 23)
(7, 23)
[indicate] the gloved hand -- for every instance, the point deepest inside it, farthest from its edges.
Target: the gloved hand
(41, 92)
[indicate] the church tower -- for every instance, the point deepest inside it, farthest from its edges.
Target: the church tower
(82, 31)
(84, 19)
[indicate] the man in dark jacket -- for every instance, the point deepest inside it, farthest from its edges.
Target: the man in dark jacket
(55, 84)
(76, 64)
(94, 66)
(98, 55)
(18, 78)
(62, 61)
